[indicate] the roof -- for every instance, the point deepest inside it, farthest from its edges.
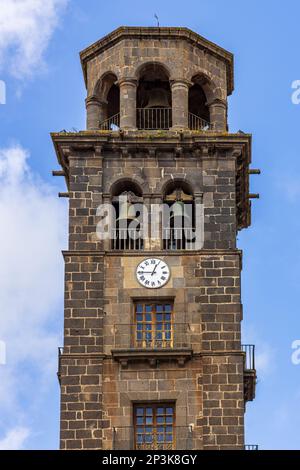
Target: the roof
(136, 32)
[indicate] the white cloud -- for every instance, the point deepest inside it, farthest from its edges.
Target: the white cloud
(26, 27)
(14, 439)
(32, 234)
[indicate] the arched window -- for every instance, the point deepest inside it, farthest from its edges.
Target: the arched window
(199, 117)
(127, 201)
(178, 216)
(108, 93)
(154, 99)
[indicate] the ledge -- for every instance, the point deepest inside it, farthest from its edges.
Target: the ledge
(123, 356)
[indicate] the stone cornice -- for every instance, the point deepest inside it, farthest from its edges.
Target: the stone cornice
(139, 253)
(202, 145)
(135, 32)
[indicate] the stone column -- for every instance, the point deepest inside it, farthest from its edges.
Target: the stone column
(180, 104)
(128, 103)
(93, 110)
(96, 112)
(218, 114)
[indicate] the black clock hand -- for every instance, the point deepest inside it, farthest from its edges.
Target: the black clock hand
(154, 270)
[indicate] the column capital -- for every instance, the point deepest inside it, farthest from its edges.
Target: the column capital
(180, 82)
(131, 81)
(93, 99)
(217, 102)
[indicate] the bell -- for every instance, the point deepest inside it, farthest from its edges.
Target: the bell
(178, 212)
(158, 98)
(126, 212)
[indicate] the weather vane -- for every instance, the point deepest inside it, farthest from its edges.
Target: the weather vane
(155, 16)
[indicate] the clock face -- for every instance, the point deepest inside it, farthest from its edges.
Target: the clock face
(153, 273)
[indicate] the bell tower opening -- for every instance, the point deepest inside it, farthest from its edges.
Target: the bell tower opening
(178, 221)
(199, 116)
(109, 96)
(127, 199)
(154, 99)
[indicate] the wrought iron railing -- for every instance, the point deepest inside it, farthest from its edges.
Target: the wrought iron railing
(154, 118)
(251, 447)
(196, 123)
(178, 238)
(110, 124)
(127, 239)
(125, 438)
(151, 336)
(249, 350)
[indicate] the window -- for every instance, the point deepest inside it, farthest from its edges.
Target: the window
(154, 426)
(154, 325)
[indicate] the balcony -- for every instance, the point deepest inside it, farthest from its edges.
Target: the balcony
(128, 438)
(134, 342)
(249, 371)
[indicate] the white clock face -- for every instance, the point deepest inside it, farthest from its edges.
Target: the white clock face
(153, 273)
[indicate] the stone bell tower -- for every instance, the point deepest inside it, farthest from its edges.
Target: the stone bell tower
(152, 355)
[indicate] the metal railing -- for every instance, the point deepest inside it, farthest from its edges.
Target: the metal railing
(151, 336)
(249, 350)
(251, 447)
(110, 124)
(178, 238)
(196, 123)
(127, 239)
(154, 118)
(124, 438)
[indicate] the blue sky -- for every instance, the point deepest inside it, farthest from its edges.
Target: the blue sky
(39, 63)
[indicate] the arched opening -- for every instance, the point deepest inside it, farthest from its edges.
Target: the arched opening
(178, 215)
(127, 201)
(154, 99)
(199, 116)
(108, 93)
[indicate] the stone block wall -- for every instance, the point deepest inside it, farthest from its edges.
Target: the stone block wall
(97, 392)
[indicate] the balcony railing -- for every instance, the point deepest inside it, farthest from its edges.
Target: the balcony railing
(154, 118)
(127, 239)
(172, 239)
(124, 438)
(196, 123)
(251, 447)
(152, 336)
(110, 124)
(178, 238)
(249, 350)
